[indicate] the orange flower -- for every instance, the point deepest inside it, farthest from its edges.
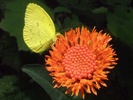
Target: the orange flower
(80, 61)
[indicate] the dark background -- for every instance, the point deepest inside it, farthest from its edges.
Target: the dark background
(112, 16)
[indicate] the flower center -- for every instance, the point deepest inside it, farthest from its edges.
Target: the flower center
(79, 62)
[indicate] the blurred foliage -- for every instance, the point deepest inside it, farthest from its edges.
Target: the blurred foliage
(21, 69)
(120, 23)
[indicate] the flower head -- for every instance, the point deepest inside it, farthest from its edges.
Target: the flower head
(80, 61)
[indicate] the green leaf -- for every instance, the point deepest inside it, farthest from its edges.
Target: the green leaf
(7, 85)
(120, 23)
(41, 76)
(60, 9)
(71, 22)
(10, 90)
(8, 51)
(99, 10)
(118, 2)
(13, 21)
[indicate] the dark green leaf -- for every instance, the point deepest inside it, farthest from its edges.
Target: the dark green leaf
(8, 51)
(120, 23)
(41, 76)
(71, 22)
(60, 9)
(118, 2)
(7, 85)
(99, 10)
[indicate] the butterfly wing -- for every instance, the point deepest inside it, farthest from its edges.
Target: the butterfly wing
(39, 29)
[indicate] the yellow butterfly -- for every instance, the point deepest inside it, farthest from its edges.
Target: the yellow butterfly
(39, 30)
